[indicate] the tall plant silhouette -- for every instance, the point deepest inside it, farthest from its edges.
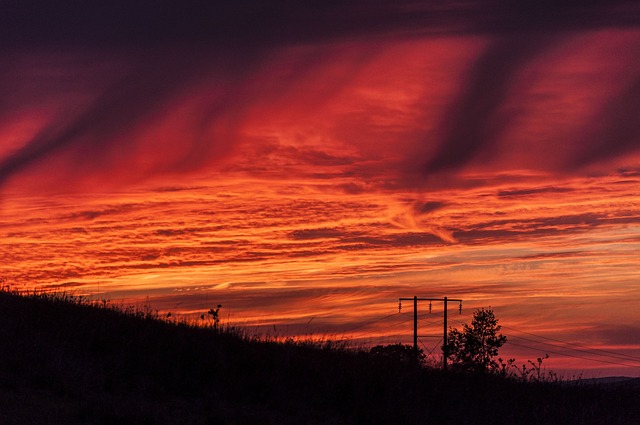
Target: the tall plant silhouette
(215, 313)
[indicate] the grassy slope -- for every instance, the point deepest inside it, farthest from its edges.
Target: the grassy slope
(64, 362)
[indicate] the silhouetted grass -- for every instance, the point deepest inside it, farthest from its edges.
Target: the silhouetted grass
(64, 361)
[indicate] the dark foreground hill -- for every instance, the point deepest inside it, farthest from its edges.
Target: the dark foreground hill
(66, 362)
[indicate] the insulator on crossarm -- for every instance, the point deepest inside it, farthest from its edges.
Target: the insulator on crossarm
(399, 306)
(460, 307)
(429, 307)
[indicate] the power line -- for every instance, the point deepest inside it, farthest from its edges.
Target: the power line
(577, 357)
(430, 351)
(590, 350)
(362, 325)
(569, 346)
(393, 325)
(623, 358)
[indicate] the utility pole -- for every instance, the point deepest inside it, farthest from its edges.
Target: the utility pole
(415, 300)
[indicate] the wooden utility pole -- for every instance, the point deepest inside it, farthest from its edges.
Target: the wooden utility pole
(415, 299)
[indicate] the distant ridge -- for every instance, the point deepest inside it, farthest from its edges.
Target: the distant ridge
(626, 381)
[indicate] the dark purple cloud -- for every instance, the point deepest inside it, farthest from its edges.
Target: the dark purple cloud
(145, 23)
(321, 233)
(617, 127)
(476, 121)
(621, 334)
(499, 230)
(513, 193)
(429, 206)
(165, 48)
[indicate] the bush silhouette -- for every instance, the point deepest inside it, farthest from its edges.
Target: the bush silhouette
(403, 353)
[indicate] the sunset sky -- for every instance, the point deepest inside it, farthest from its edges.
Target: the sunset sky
(305, 164)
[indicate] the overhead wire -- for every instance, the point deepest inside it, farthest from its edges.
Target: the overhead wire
(585, 350)
(578, 357)
(407, 319)
(362, 325)
(393, 325)
(430, 351)
(592, 352)
(555, 343)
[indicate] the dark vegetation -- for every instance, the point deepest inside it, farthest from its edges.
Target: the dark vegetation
(65, 361)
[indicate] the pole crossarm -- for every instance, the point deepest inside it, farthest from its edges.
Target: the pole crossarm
(415, 300)
(429, 299)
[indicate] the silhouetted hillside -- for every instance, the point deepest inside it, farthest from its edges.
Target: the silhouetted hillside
(66, 362)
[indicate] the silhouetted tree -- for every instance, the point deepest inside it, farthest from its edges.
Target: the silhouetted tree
(474, 348)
